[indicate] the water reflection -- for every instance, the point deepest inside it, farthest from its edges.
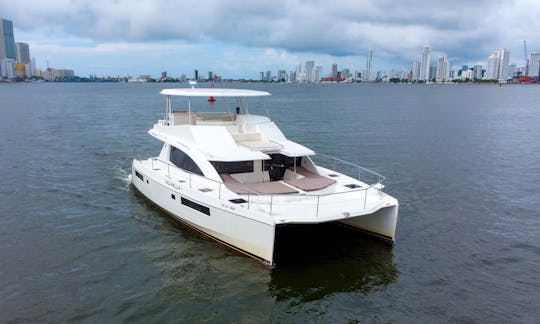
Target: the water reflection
(318, 260)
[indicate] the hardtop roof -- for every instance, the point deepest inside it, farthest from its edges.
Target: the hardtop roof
(213, 92)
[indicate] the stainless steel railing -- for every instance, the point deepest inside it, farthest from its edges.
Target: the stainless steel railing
(270, 201)
(359, 170)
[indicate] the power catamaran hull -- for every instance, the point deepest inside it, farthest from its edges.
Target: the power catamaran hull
(237, 178)
(237, 227)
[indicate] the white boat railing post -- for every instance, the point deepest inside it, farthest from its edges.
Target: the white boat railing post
(190, 180)
(365, 198)
(317, 212)
(219, 190)
(249, 200)
(271, 203)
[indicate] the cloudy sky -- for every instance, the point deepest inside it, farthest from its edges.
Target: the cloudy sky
(239, 38)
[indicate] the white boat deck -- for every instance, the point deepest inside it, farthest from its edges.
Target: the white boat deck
(334, 202)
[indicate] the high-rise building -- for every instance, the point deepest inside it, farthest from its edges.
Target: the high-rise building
(262, 76)
(7, 40)
(297, 72)
(310, 71)
(442, 69)
(497, 68)
(504, 57)
(477, 72)
(432, 72)
(334, 71)
(534, 64)
(7, 68)
(31, 68)
(196, 75)
(318, 73)
(425, 64)
(415, 71)
(290, 76)
(366, 76)
(282, 75)
(464, 68)
(345, 74)
(268, 76)
(492, 70)
(22, 53)
(512, 70)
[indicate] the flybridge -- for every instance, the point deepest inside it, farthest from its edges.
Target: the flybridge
(186, 116)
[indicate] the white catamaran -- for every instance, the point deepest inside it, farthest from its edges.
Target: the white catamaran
(238, 179)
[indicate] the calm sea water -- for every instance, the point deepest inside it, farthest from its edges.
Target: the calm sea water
(78, 244)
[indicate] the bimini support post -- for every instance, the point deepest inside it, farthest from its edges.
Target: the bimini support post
(168, 111)
(189, 110)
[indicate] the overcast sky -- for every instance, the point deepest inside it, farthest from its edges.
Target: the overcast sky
(240, 38)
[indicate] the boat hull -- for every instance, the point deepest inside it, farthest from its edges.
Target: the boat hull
(381, 223)
(212, 217)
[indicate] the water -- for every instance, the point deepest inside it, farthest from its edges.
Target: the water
(78, 244)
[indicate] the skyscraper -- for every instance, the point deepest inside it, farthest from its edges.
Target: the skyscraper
(415, 71)
(497, 68)
(534, 64)
(442, 69)
(366, 76)
(492, 70)
(310, 71)
(504, 57)
(22, 53)
(7, 40)
(282, 75)
(477, 71)
(298, 71)
(424, 65)
(334, 70)
(318, 73)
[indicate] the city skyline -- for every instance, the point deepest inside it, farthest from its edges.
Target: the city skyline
(125, 38)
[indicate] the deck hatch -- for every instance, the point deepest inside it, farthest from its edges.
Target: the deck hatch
(194, 205)
(238, 201)
(352, 186)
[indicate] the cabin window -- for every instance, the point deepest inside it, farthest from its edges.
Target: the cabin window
(233, 167)
(140, 176)
(183, 161)
(194, 205)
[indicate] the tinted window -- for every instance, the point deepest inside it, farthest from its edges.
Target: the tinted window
(183, 161)
(233, 167)
(194, 205)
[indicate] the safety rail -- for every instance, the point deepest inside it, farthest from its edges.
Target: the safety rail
(336, 162)
(269, 199)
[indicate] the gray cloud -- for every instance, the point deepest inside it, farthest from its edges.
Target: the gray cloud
(464, 30)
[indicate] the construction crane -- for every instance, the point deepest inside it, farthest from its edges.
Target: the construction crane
(526, 59)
